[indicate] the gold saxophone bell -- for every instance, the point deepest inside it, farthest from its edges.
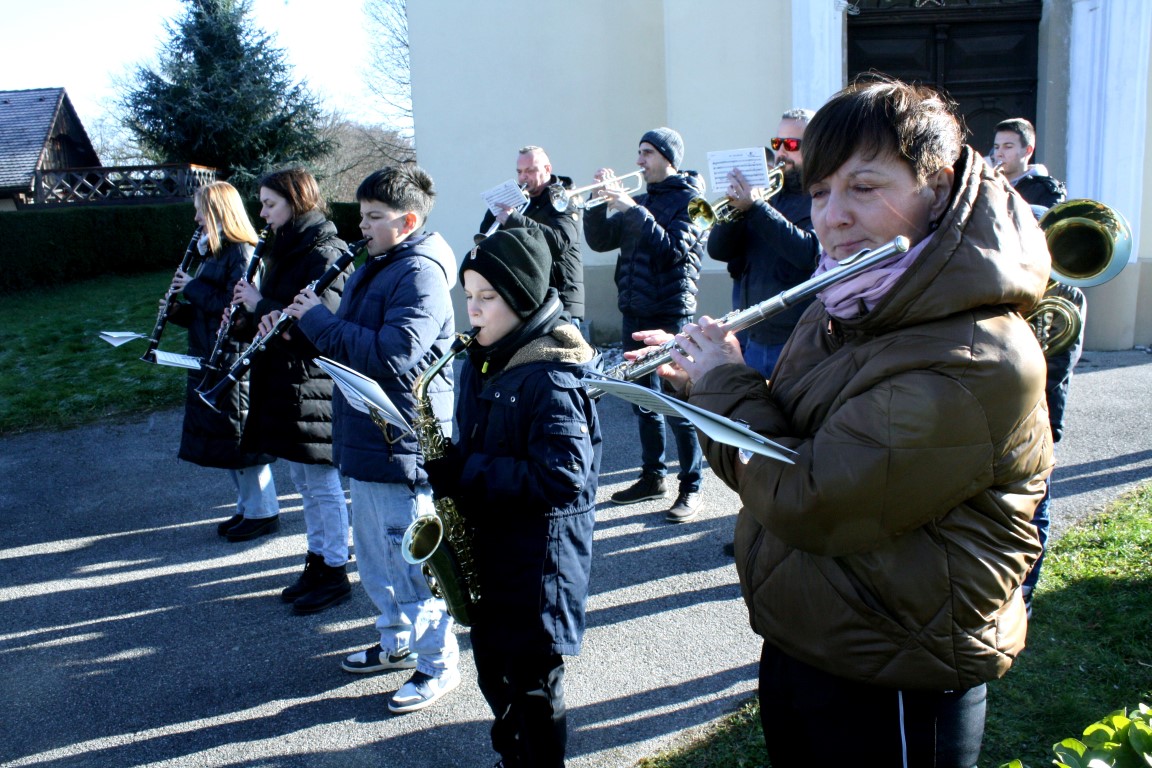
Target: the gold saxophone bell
(1090, 244)
(705, 214)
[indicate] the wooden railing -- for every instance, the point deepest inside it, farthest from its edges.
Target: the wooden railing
(122, 185)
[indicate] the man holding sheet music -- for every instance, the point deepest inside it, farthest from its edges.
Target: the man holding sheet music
(394, 321)
(771, 247)
(561, 229)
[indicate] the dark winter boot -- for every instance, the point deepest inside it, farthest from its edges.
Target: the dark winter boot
(331, 587)
(306, 581)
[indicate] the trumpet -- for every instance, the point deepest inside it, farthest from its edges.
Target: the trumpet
(563, 199)
(740, 319)
(210, 362)
(283, 323)
(480, 237)
(705, 214)
(149, 355)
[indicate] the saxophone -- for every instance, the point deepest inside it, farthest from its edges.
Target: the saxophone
(440, 542)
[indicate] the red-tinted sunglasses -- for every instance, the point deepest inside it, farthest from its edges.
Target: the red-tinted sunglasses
(789, 144)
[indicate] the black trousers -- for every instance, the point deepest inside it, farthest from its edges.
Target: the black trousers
(811, 718)
(526, 694)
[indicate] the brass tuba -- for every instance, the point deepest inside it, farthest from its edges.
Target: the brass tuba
(1090, 244)
(440, 542)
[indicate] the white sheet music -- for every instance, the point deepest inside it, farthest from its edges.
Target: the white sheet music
(177, 361)
(508, 193)
(363, 393)
(717, 427)
(752, 162)
(116, 338)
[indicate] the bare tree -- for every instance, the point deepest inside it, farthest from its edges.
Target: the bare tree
(389, 74)
(357, 150)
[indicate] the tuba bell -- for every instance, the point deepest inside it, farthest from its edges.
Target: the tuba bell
(1090, 244)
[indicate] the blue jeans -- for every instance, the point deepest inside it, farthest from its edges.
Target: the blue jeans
(410, 617)
(652, 437)
(1041, 520)
(762, 357)
(325, 510)
(255, 492)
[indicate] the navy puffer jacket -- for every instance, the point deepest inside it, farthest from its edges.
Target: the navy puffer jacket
(658, 269)
(395, 320)
(531, 443)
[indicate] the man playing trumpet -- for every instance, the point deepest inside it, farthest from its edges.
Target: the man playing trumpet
(656, 282)
(560, 228)
(771, 247)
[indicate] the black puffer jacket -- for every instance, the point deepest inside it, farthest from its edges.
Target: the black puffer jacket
(208, 438)
(562, 231)
(291, 407)
(658, 270)
(1038, 188)
(768, 250)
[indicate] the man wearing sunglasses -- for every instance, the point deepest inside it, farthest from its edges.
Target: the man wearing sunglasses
(771, 247)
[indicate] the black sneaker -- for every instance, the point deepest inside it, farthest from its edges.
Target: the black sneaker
(647, 487)
(250, 528)
(688, 505)
(228, 524)
(375, 660)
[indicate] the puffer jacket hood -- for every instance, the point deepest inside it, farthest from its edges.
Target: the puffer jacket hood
(987, 251)
(893, 550)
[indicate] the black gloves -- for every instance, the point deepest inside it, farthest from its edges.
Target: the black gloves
(444, 472)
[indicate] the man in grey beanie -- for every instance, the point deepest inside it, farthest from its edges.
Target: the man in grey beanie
(656, 282)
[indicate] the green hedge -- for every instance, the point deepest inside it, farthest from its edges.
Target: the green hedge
(63, 245)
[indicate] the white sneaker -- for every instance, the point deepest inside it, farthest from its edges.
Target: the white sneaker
(422, 691)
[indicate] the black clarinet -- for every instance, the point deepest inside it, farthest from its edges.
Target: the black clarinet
(149, 356)
(211, 363)
(282, 324)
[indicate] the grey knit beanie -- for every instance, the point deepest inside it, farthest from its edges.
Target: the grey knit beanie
(667, 143)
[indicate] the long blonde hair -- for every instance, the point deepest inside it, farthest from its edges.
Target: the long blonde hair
(223, 211)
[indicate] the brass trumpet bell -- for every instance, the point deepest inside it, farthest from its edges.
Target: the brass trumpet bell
(1089, 242)
(705, 214)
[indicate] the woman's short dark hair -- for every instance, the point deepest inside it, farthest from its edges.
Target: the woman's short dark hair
(877, 116)
(401, 188)
(298, 187)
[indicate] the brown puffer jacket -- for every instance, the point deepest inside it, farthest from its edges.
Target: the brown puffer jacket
(893, 550)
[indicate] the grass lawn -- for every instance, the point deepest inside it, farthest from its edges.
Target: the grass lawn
(1089, 652)
(56, 372)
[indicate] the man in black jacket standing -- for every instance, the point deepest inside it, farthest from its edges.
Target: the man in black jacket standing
(560, 228)
(770, 247)
(1012, 151)
(656, 282)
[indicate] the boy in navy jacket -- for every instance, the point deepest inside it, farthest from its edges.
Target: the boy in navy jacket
(524, 475)
(394, 321)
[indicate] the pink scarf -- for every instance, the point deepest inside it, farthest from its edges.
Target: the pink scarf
(857, 295)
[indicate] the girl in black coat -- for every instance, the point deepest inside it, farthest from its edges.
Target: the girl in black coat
(291, 410)
(209, 438)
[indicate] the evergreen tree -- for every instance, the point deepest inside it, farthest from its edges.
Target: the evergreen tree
(223, 96)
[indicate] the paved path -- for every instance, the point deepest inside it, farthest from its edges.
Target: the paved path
(131, 635)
